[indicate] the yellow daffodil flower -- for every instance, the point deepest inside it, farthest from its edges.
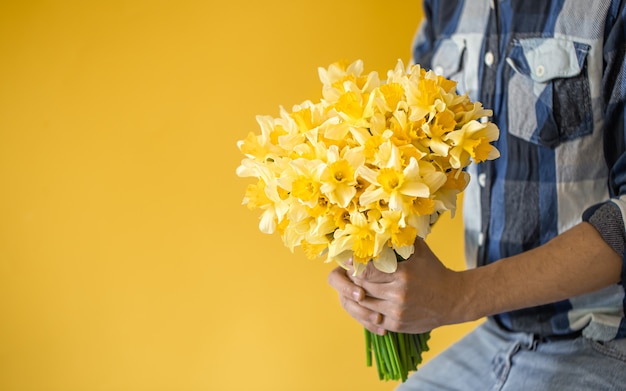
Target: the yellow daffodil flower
(437, 130)
(339, 179)
(357, 241)
(472, 141)
(303, 180)
(393, 183)
(276, 207)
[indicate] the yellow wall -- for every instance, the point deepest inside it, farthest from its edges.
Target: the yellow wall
(126, 259)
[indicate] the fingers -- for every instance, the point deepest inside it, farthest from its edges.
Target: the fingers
(339, 280)
(371, 320)
(379, 284)
(366, 293)
(354, 300)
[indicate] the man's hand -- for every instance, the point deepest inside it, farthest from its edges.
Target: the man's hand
(421, 295)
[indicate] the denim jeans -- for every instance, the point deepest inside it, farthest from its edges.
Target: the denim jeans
(490, 358)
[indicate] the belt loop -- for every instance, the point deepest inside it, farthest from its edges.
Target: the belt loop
(533, 342)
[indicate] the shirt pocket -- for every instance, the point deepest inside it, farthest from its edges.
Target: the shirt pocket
(548, 95)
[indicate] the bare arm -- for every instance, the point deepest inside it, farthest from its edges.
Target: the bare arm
(422, 294)
(578, 261)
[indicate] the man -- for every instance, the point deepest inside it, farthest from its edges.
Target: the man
(544, 222)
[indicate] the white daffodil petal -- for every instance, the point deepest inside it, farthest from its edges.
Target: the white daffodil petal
(405, 251)
(493, 154)
(343, 195)
(386, 261)
(267, 225)
(435, 180)
(342, 259)
(416, 189)
(339, 246)
(492, 132)
(395, 201)
(371, 195)
(421, 224)
(368, 174)
(358, 268)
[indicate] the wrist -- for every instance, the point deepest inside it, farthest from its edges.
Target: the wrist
(469, 303)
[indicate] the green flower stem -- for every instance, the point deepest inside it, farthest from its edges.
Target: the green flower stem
(404, 357)
(384, 354)
(424, 341)
(378, 356)
(395, 354)
(368, 348)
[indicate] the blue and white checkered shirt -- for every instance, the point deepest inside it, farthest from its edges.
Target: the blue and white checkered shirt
(554, 73)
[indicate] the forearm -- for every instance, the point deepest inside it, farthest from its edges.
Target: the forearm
(576, 262)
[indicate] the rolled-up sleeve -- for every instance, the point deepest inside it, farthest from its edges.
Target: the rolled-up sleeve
(608, 217)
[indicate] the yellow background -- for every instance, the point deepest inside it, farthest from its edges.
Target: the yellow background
(126, 259)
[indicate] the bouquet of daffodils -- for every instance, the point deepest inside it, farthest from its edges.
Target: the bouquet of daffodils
(362, 173)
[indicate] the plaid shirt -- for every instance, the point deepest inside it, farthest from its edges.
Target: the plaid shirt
(553, 72)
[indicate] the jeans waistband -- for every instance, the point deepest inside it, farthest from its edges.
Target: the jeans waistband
(536, 335)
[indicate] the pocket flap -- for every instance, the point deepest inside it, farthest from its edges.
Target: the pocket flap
(544, 59)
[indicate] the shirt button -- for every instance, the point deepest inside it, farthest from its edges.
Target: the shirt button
(483, 120)
(438, 70)
(540, 70)
(489, 59)
(482, 179)
(481, 238)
